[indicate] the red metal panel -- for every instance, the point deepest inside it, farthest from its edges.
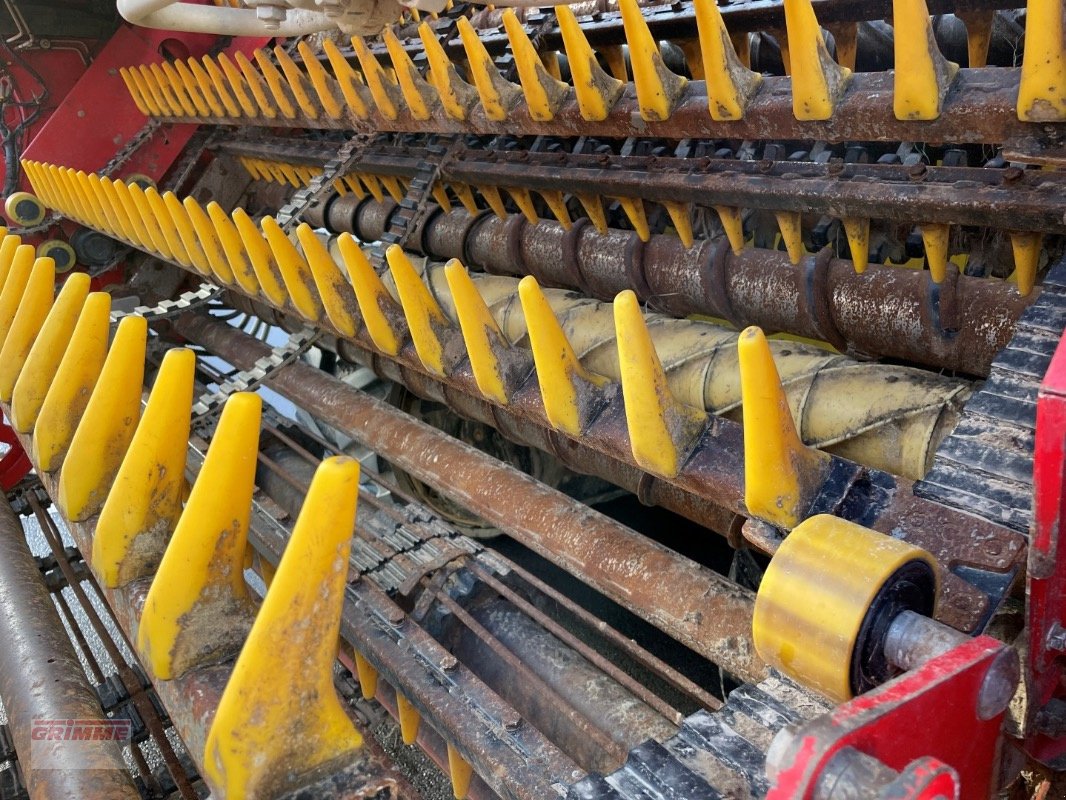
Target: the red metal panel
(1046, 575)
(928, 712)
(15, 464)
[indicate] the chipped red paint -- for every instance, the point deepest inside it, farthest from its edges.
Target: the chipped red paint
(928, 713)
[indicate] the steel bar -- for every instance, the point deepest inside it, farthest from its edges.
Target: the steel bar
(980, 109)
(41, 680)
(703, 610)
(887, 311)
(1007, 198)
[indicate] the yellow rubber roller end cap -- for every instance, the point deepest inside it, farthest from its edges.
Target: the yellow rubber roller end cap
(24, 209)
(827, 597)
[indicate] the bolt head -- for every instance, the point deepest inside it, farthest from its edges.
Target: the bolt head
(999, 685)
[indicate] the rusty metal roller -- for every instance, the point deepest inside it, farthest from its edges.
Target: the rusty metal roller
(884, 416)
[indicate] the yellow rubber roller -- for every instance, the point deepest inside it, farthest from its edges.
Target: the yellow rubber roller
(60, 252)
(827, 599)
(24, 209)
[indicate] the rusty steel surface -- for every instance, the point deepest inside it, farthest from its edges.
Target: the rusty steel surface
(959, 325)
(703, 610)
(980, 109)
(1007, 198)
(42, 680)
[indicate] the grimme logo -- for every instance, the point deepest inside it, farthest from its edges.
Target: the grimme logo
(81, 730)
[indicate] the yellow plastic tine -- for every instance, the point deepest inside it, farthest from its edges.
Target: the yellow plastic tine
(922, 75)
(144, 503)
(410, 719)
(730, 85)
(66, 397)
(319, 78)
(280, 713)
(33, 308)
(233, 247)
(596, 91)
(660, 428)
(424, 317)
(524, 200)
(106, 427)
(781, 474)
(371, 295)
(460, 771)
(558, 207)
(418, 94)
(295, 272)
(128, 230)
(296, 82)
(155, 231)
(634, 210)
(658, 89)
(818, 82)
(347, 79)
(225, 90)
(550, 59)
(267, 274)
(275, 83)
(858, 233)
(681, 216)
(166, 225)
(137, 223)
(354, 186)
(456, 95)
(615, 58)
(106, 214)
(207, 241)
(139, 89)
(383, 89)
(265, 102)
(791, 226)
(201, 573)
(978, 35)
(935, 238)
(8, 246)
(393, 186)
(42, 362)
(177, 86)
(152, 89)
(135, 92)
(466, 197)
(338, 299)
(66, 178)
(167, 92)
(368, 676)
(94, 211)
(213, 89)
(846, 39)
(594, 208)
(198, 93)
(497, 94)
(440, 194)
(485, 342)
(179, 218)
(17, 277)
(690, 48)
(544, 94)
(236, 80)
(568, 390)
(494, 199)
(1042, 93)
(291, 177)
(1026, 246)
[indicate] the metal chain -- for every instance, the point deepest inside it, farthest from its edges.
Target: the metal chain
(289, 215)
(248, 380)
(171, 308)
